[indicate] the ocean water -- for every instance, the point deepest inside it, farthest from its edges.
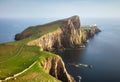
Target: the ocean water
(10, 27)
(102, 51)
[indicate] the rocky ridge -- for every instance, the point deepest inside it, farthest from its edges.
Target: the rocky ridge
(68, 34)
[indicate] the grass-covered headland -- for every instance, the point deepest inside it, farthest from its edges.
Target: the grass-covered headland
(20, 62)
(17, 56)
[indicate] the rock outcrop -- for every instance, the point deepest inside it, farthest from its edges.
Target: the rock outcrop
(66, 36)
(88, 32)
(55, 67)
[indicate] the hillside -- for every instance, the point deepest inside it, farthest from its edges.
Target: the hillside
(37, 31)
(18, 62)
(26, 60)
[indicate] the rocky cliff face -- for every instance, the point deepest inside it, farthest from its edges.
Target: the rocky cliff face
(88, 32)
(56, 68)
(66, 36)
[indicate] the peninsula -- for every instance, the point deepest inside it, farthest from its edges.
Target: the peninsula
(30, 57)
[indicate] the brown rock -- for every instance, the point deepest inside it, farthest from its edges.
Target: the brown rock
(56, 68)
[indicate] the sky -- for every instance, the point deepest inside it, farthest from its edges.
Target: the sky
(59, 8)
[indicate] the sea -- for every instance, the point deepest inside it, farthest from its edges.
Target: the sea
(102, 51)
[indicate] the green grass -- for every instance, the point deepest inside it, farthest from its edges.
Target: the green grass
(34, 32)
(16, 56)
(85, 27)
(16, 62)
(88, 27)
(36, 73)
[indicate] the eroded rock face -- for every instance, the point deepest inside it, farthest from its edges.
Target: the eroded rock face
(92, 31)
(85, 34)
(56, 68)
(66, 36)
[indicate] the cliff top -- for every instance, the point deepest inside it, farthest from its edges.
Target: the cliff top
(17, 56)
(39, 30)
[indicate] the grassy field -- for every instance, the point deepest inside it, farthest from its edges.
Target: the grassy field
(17, 56)
(34, 32)
(85, 27)
(36, 73)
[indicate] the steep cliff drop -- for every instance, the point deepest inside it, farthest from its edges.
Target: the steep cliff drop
(66, 36)
(61, 34)
(55, 67)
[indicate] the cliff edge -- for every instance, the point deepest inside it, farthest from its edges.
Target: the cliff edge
(55, 67)
(66, 36)
(61, 34)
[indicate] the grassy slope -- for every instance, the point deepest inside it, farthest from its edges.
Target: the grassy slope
(85, 27)
(36, 73)
(17, 56)
(39, 30)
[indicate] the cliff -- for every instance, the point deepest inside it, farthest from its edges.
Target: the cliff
(66, 36)
(86, 32)
(65, 33)
(48, 67)
(55, 67)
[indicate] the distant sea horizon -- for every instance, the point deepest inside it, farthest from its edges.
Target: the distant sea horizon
(11, 26)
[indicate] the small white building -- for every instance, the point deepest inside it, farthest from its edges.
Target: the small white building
(93, 25)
